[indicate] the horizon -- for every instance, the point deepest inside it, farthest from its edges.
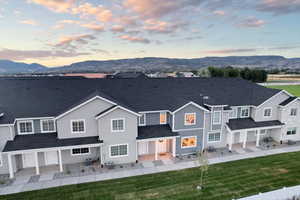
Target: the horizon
(58, 33)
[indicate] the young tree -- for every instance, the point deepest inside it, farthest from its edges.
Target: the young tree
(203, 166)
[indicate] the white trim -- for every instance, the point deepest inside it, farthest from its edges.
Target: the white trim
(120, 107)
(215, 105)
(245, 107)
(53, 148)
(41, 125)
(82, 104)
(142, 115)
(213, 132)
(1, 114)
(187, 124)
(109, 150)
(165, 113)
(271, 111)
(77, 120)
(188, 146)
(1, 125)
(187, 129)
(1, 160)
(111, 125)
(25, 121)
(80, 154)
(155, 111)
(154, 139)
(274, 97)
(220, 118)
(258, 128)
(192, 103)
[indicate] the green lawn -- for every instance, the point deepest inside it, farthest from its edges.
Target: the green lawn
(224, 181)
(293, 89)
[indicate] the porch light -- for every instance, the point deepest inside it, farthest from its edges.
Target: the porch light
(160, 141)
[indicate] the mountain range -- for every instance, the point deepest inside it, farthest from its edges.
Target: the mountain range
(156, 64)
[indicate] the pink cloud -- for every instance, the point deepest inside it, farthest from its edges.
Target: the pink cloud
(219, 12)
(99, 12)
(118, 29)
(252, 22)
(29, 22)
(55, 5)
(93, 26)
(67, 40)
(157, 26)
(135, 39)
(228, 51)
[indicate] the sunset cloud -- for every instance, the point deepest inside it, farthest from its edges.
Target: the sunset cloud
(55, 5)
(219, 12)
(99, 12)
(252, 22)
(29, 22)
(228, 51)
(279, 7)
(93, 26)
(158, 26)
(118, 29)
(135, 39)
(68, 40)
(13, 54)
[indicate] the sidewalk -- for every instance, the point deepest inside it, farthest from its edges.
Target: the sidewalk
(25, 186)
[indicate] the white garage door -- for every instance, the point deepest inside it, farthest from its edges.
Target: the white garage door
(28, 160)
(143, 148)
(51, 158)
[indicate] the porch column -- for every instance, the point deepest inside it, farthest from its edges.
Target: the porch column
(245, 139)
(60, 161)
(257, 137)
(174, 147)
(230, 140)
(37, 169)
(156, 149)
(10, 167)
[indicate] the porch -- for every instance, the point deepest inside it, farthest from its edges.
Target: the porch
(244, 132)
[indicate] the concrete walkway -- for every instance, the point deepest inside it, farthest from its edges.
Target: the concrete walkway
(281, 194)
(42, 184)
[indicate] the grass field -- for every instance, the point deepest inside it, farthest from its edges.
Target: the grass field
(223, 181)
(293, 89)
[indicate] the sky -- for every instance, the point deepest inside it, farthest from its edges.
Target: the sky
(61, 32)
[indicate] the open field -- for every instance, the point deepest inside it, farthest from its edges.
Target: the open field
(293, 89)
(283, 77)
(223, 181)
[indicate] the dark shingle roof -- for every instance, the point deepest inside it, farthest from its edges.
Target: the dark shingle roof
(246, 123)
(155, 131)
(51, 96)
(287, 101)
(46, 140)
(129, 75)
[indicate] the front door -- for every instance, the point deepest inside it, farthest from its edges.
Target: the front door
(28, 160)
(162, 146)
(51, 158)
(143, 148)
(236, 138)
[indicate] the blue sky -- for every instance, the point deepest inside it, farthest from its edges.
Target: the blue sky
(60, 32)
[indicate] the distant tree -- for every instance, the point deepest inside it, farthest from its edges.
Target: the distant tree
(215, 72)
(195, 72)
(231, 72)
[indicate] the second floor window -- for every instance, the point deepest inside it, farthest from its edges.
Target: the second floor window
(190, 119)
(78, 126)
(267, 112)
(244, 112)
(291, 131)
(217, 117)
(163, 118)
(142, 119)
(25, 127)
(117, 125)
(293, 112)
(47, 125)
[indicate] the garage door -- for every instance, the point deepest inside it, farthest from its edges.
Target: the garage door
(28, 160)
(51, 158)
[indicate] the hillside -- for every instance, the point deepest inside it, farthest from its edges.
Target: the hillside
(7, 66)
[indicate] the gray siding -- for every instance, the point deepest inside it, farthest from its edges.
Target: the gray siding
(152, 118)
(86, 112)
(217, 126)
(179, 118)
(114, 138)
(182, 151)
(5, 135)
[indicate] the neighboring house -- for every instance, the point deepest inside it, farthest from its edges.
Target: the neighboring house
(58, 120)
(127, 75)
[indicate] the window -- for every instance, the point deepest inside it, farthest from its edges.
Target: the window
(293, 112)
(214, 137)
(80, 151)
(291, 131)
(217, 117)
(119, 150)
(232, 114)
(117, 125)
(142, 120)
(190, 119)
(188, 142)
(163, 118)
(25, 127)
(47, 125)
(267, 112)
(244, 112)
(78, 126)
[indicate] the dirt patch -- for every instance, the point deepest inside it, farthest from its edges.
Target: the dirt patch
(282, 171)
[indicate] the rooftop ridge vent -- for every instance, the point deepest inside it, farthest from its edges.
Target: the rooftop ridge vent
(206, 97)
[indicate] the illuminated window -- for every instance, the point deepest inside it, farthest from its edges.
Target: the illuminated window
(187, 142)
(189, 119)
(163, 118)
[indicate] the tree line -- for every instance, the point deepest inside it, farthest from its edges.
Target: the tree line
(255, 75)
